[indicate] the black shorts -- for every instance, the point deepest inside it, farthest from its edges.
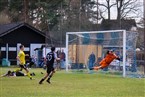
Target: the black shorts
(19, 74)
(22, 66)
(49, 69)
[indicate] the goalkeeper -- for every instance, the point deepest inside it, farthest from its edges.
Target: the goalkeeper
(110, 56)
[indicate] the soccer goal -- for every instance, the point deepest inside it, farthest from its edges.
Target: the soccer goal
(86, 49)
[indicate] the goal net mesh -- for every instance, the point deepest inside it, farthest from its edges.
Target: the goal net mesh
(87, 49)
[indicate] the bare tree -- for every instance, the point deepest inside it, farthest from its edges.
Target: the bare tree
(125, 8)
(108, 5)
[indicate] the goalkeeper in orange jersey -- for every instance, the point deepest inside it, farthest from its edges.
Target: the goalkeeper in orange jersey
(110, 56)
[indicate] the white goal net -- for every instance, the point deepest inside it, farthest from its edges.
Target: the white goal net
(86, 49)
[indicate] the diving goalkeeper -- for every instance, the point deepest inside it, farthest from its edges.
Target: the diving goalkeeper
(110, 56)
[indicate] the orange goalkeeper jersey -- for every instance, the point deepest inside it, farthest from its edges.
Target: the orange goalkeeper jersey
(108, 59)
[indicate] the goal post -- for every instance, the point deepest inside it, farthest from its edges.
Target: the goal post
(80, 45)
(124, 52)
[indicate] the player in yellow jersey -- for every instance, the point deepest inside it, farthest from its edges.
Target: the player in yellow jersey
(22, 62)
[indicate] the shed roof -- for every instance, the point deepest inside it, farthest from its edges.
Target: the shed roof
(118, 24)
(8, 28)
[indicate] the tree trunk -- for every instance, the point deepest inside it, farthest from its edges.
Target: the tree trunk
(26, 2)
(119, 5)
(144, 37)
(108, 4)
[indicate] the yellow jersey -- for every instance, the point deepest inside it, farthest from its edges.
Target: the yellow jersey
(21, 56)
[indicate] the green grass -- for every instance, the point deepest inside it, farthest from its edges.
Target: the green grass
(71, 85)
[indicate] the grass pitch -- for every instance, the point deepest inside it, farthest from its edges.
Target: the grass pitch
(71, 85)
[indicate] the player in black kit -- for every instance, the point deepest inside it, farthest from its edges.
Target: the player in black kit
(50, 58)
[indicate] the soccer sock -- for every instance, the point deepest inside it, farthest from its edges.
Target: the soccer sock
(28, 74)
(40, 82)
(49, 77)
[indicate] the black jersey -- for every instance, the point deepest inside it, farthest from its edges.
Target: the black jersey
(50, 59)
